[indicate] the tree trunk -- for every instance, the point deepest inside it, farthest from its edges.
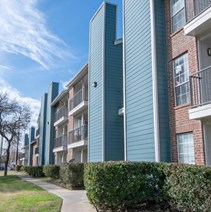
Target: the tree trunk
(7, 158)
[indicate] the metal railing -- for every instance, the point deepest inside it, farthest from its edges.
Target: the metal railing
(78, 134)
(62, 111)
(37, 131)
(36, 150)
(201, 5)
(60, 141)
(200, 87)
(80, 96)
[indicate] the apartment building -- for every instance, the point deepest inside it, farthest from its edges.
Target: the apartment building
(60, 104)
(190, 60)
(78, 116)
(25, 151)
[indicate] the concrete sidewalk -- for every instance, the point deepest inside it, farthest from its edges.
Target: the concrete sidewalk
(73, 200)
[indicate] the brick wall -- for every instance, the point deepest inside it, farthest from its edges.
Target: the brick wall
(177, 44)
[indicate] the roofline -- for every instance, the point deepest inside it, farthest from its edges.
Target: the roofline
(77, 76)
(103, 3)
(59, 97)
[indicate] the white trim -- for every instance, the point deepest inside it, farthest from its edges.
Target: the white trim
(154, 83)
(103, 82)
(200, 24)
(124, 83)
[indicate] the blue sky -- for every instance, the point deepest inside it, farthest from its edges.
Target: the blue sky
(43, 41)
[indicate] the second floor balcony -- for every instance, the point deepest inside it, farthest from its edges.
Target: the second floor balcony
(36, 151)
(60, 143)
(61, 115)
(78, 137)
(79, 101)
(200, 91)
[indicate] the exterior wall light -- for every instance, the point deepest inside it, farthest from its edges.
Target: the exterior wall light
(94, 84)
(209, 51)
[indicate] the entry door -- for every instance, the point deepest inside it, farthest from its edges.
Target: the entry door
(207, 138)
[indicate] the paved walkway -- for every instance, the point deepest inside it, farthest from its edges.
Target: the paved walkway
(73, 200)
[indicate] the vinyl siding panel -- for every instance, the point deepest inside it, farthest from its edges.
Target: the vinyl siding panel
(162, 80)
(114, 143)
(95, 94)
(138, 74)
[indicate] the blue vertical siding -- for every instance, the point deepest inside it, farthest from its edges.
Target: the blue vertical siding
(162, 80)
(53, 91)
(95, 93)
(31, 139)
(138, 79)
(105, 67)
(43, 111)
(113, 85)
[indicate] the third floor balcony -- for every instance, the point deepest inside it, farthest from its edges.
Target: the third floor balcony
(79, 101)
(61, 115)
(199, 19)
(200, 91)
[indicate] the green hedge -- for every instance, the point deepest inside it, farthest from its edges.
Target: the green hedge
(72, 174)
(124, 184)
(18, 168)
(51, 171)
(34, 171)
(189, 187)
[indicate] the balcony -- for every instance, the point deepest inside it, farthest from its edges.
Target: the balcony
(38, 132)
(36, 151)
(79, 102)
(60, 143)
(201, 22)
(78, 137)
(200, 90)
(61, 116)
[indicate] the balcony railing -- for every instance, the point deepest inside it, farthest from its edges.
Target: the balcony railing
(60, 141)
(78, 134)
(37, 131)
(80, 96)
(36, 150)
(61, 112)
(200, 87)
(200, 5)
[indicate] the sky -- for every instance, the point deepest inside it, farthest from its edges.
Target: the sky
(43, 41)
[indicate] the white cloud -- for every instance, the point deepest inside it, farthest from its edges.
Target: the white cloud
(13, 93)
(24, 31)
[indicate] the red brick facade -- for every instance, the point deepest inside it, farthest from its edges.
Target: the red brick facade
(178, 44)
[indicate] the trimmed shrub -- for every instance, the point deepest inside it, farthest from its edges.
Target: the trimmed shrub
(119, 185)
(72, 174)
(18, 168)
(34, 171)
(189, 187)
(51, 171)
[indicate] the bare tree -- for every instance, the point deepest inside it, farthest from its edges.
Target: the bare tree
(14, 117)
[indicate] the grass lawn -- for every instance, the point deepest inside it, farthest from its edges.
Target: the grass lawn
(18, 195)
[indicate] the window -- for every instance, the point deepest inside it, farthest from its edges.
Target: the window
(177, 14)
(181, 80)
(185, 147)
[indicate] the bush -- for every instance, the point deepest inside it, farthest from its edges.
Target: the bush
(18, 168)
(51, 171)
(189, 187)
(72, 174)
(124, 184)
(34, 171)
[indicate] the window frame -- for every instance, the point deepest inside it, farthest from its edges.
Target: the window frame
(183, 83)
(172, 16)
(190, 144)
